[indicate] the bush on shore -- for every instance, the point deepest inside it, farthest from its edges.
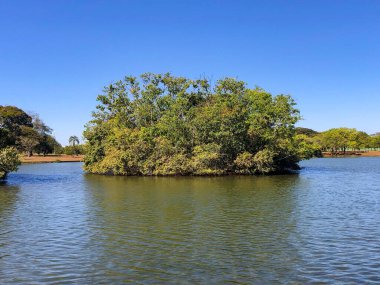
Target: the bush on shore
(9, 161)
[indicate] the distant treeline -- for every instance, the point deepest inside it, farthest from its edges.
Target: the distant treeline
(338, 140)
(73, 150)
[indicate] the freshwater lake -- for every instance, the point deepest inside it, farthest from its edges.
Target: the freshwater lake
(321, 226)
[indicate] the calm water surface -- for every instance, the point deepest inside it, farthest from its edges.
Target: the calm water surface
(321, 226)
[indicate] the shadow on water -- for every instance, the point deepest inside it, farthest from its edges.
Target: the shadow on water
(9, 196)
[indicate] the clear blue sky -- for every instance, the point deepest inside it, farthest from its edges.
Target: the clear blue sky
(56, 56)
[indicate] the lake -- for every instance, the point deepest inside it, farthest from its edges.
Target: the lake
(61, 226)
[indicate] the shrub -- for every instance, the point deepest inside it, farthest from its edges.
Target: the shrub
(9, 161)
(245, 163)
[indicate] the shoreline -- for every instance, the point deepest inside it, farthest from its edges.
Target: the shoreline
(370, 153)
(51, 159)
(79, 158)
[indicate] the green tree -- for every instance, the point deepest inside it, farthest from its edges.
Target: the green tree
(308, 147)
(29, 138)
(359, 140)
(306, 131)
(46, 143)
(9, 161)
(337, 139)
(70, 150)
(375, 141)
(12, 119)
(159, 124)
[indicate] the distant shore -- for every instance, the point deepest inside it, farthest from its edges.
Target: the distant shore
(355, 153)
(79, 158)
(51, 158)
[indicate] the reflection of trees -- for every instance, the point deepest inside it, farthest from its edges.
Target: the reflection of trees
(8, 198)
(226, 228)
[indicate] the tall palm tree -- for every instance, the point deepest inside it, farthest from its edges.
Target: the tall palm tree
(73, 140)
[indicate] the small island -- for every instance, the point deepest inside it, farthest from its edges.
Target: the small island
(159, 124)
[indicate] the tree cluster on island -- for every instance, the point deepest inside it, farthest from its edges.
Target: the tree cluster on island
(159, 124)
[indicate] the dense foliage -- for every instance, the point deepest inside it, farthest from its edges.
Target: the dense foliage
(343, 139)
(9, 161)
(21, 132)
(159, 124)
(28, 133)
(338, 140)
(73, 150)
(306, 132)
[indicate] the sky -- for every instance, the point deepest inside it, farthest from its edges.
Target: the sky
(56, 56)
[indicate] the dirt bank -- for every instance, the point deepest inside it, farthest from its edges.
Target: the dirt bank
(51, 158)
(356, 153)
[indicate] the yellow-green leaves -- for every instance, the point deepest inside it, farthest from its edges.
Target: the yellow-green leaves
(166, 125)
(9, 161)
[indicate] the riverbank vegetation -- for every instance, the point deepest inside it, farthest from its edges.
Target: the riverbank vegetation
(79, 149)
(22, 133)
(25, 132)
(159, 124)
(9, 161)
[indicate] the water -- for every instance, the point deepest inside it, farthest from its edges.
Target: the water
(322, 226)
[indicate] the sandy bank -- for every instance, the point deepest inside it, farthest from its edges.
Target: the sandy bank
(51, 158)
(357, 153)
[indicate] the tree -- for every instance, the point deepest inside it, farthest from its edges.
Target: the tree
(375, 141)
(11, 121)
(28, 140)
(25, 131)
(359, 140)
(48, 144)
(9, 161)
(70, 150)
(4, 135)
(40, 126)
(340, 139)
(337, 139)
(306, 131)
(74, 141)
(308, 147)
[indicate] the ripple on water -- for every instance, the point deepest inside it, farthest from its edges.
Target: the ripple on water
(58, 226)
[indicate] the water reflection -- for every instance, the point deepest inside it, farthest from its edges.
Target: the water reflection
(8, 199)
(59, 226)
(204, 229)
